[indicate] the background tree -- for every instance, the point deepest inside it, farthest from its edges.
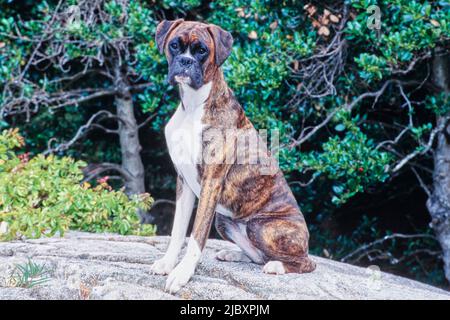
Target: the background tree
(439, 196)
(74, 54)
(362, 112)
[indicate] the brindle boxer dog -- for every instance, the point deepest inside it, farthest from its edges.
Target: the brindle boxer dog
(252, 202)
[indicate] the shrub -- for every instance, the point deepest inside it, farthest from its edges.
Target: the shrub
(44, 196)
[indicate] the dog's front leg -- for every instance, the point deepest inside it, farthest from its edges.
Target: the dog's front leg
(212, 182)
(183, 212)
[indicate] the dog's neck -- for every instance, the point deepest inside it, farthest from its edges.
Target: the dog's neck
(193, 98)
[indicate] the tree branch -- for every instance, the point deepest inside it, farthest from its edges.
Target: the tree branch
(304, 137)
(426, 147)
(104, 167)
(103, 114)
(368, 248)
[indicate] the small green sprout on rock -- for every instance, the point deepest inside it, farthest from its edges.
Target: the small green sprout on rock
(30, 274)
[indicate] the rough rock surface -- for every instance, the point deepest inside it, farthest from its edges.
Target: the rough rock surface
(106, 266)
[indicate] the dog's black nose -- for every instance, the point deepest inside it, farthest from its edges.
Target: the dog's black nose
(186, 62)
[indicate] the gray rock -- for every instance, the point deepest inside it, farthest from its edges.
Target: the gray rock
(107, 266)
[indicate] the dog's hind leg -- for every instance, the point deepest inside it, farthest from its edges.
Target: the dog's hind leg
(235, 232)
(232, 256)
(284, 242)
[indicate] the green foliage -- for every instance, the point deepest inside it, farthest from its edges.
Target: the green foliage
(439, 104)
(257, 78)
(30, 274)
(407, 27)
(352, 162)
(43, 196)
(373, 67)
(180, 6)
(10, 54)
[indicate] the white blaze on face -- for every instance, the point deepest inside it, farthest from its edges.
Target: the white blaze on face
(181, 79)
(187, 54)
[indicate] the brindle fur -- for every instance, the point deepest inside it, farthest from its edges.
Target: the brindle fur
(263, 203)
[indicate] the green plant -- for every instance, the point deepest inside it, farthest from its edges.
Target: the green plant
(30, 274)
(44, 195)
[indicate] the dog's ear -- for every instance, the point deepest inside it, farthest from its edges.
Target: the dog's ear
(223, 41)
(163, 29)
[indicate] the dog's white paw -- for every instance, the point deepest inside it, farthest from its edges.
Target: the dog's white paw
(178, 277)
(162, 266)
(274, 267)
(232, 256)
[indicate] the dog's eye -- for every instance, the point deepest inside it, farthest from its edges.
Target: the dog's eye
(174, 45)
(201, 51)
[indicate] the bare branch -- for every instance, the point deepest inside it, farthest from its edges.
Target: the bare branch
(422, 184)
(317, 73)
(103, 114)
(161, 201)
(74, 101)
(424, 149)
(72, 78)
(49, 51)
(411, 65)
(39, 43)
(407, 128)
(305, 136)
(105, 167)
(146, 121)
(369, 248)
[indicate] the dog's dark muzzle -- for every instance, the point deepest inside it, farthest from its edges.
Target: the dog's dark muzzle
(186, 62)
(185, 70)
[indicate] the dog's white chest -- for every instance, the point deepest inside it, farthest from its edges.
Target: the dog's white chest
(184, 138)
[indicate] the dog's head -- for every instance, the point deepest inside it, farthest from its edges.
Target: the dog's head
(194, 50)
